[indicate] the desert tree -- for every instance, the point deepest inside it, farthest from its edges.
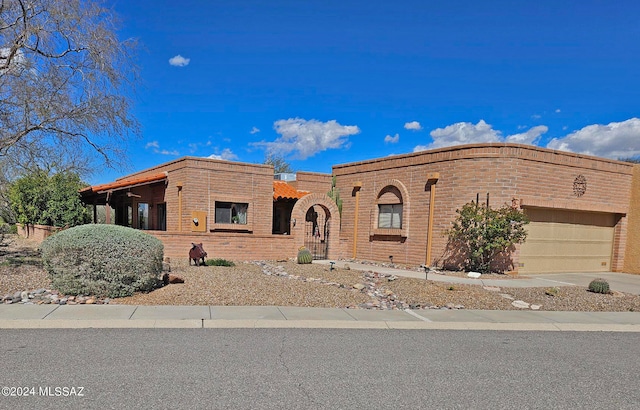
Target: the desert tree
(66, 79)
(280, 165)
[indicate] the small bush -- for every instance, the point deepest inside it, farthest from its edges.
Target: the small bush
(599, 286)
(552, 291)
(103, 260)
(219, 262)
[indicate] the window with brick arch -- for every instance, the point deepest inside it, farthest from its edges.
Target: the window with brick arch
(389, 208)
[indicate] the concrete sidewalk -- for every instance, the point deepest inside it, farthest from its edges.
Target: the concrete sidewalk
(622, 282)
(126, 316)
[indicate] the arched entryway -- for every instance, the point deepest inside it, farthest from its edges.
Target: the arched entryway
(315, 223)
(316, 231)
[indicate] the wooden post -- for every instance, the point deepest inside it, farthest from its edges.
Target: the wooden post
(432, 178)
(107, 209)
(179, 185)
(356, 189)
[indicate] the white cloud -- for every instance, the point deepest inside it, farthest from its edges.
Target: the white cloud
(254, 130)
(468, 133)
(392, 140)
(179, 61)
(536, 116)
(156, 149)
(615, 140)
(306, 138)
(226, 155)
(461, 133)
(529, 137)
(413, 125)
(558, 110)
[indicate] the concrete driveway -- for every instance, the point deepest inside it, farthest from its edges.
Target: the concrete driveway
(622, 282)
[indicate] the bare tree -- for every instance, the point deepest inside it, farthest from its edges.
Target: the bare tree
(280, 165)
(66, 80)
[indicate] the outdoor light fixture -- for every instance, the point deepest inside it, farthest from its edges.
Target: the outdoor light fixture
(426, 271)
(195, 221)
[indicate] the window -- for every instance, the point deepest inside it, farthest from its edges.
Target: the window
(230, 212)
(143, 215)
(162, 217)
(390, 216)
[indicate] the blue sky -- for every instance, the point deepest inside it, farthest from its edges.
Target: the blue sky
(330, 82)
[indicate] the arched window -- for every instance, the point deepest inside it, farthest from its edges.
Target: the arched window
(391, 211)
(390, 208)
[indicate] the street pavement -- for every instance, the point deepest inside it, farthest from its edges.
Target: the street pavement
(25, 316)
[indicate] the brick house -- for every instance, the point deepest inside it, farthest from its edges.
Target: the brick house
(237, 210)
(579, 205)
(584, 212)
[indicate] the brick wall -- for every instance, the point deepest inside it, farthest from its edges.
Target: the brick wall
(37, 233)
(232, 246)
(534, 176)
(632, 254)
(312, 182)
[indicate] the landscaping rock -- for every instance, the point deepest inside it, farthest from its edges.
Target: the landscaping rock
(175, 279)
(520, 304)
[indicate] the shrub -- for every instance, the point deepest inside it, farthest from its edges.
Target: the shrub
(103, 260)
(552, 291)
(599, 286)
(482, 233)
(219, 262)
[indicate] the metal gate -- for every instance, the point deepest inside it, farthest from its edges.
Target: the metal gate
(316, 232)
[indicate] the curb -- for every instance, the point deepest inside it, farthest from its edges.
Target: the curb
(311, 324)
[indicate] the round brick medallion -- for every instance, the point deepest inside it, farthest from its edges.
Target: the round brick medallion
(580, 185)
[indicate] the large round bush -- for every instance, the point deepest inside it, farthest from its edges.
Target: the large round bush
(102, 260)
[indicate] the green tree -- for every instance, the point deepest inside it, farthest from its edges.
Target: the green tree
(38, 198)
(64, 206)
(483, 233)
(28, 197)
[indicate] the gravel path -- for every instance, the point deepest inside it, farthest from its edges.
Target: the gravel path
(285, 283)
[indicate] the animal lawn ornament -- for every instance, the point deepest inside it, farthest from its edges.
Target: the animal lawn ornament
(197, 254)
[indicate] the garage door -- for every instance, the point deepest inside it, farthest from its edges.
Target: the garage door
(567, 241)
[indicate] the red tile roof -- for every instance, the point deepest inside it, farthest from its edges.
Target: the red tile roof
(282, 190)
(125, 183)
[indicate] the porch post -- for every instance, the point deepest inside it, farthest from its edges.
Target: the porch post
(356, 188)
(432, 178)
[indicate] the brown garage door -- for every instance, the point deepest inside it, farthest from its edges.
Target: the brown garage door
(567, 241)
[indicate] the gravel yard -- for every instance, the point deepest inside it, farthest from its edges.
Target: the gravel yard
(285, 283)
